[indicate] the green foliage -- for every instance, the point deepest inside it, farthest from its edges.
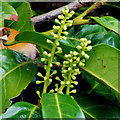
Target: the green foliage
(6, 11)
(96, 107)
(22, 110)
(61, 62)
(104, 65)
(108, 22)
(24, 14)
(13, 66)
(58, 106)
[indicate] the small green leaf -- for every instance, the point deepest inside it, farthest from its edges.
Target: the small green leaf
(24, 14)
(15, 75)
(103, 64)
(109, 22)
(22, 110)
(60, 106)
(6, 10)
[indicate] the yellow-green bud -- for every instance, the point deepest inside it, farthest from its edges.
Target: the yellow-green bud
(60, 16)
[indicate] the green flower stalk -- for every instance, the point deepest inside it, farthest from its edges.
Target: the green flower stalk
(61, 30)
(70, 68)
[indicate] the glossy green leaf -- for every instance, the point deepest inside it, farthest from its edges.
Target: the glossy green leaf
(96, 33)
(110, 38)
(60, 106)
(40, 40)
(16, 72)
(97, 107)
(24, 14)
(97, 87)
(22, 110)
(6, 10)
(103, 64)
(109, 22)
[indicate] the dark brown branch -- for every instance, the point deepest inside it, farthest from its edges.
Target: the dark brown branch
(54, 13)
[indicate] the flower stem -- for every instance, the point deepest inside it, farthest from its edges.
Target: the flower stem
(46, 82)
(69, 79)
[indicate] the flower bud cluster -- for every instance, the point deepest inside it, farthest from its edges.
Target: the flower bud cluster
(74, 60)
(63, 23)
(82, 48)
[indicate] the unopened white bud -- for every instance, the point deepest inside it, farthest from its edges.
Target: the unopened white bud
(39, 74)
(74, 65)
(72, 86)
(75, 82)
(43, 59)
(64, 38)
(38, 82)
(83, 39)
(64, 71)
(57, 43)
(71, 60)
(88, 42)
(79, 47)
(73, 77)
(62, 82)
(50, 65)
(60, 16)
(68, 82)
(59, 48)
(57, 21)
(72, 12)
(83, 53)
(65, 33)
(69, 68)
(62, 21)
(49, 55)
(57, 78)
(65, 27)
(89, 48)
(55, 36)
(73, 91)
(45, 78)
(51, 91)
(57, 63)
(49, 41)
(86, 56)
(45, 53)
(50, 80)
(81, 64)
(70, 21)
(66, 8)
(62, 11)
(78, 59)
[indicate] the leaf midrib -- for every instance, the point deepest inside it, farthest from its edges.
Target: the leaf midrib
(14, 69)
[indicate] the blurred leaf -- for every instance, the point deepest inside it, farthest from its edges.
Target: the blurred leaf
(103, 64)
(6, 10)
(15, 75)
(22, 110)
(109, 22)
(24, 14)
(60, 106)
(97, 107)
